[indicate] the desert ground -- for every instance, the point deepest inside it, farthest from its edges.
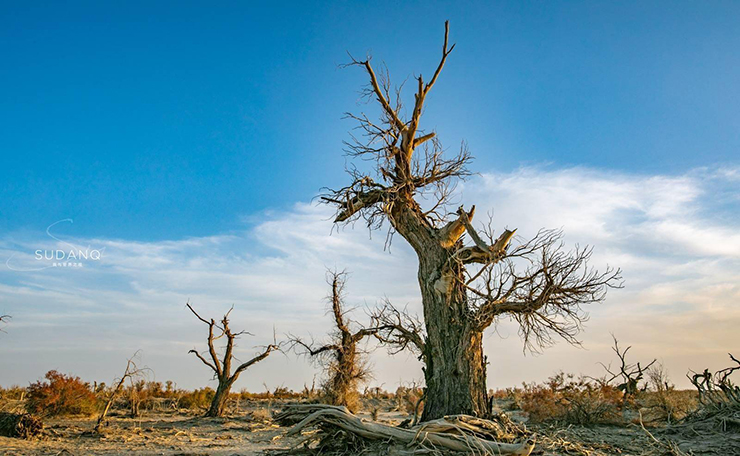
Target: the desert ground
(251, 430)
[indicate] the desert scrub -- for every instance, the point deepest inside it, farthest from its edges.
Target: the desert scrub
(13, 393)
(60, 395)
(661, 400)
(564, 399)
(197, 399)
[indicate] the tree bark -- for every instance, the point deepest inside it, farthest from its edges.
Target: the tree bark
(455, 367)
(218, 404)
(455, 371)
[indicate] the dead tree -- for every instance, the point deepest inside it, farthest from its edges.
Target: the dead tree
(630, 374)
(716, 390)
(468, 279)
(132, 372)
(222, 367)
(341, 356)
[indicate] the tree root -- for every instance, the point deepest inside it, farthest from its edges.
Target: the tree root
(459, 433)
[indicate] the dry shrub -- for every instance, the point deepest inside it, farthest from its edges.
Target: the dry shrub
(508, 398)
(564, 399)
(408, 397)
(61, 395)
(348, 397)
(20, 425)
(662, 401)
(13, 393)
(197, 399)
(137, 395)
(280, 392)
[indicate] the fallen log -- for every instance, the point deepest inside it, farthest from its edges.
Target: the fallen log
(451, 434)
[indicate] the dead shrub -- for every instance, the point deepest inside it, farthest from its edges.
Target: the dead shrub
(20, 425)
(261, 415)
(61, 395)
(718, 394)
(563, 399)
(12, 393)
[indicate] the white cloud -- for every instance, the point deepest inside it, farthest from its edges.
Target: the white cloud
(680, 253)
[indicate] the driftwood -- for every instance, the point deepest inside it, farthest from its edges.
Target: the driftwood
(459, 433)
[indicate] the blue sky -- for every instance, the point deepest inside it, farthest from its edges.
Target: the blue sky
(188, 139)
(167, 120)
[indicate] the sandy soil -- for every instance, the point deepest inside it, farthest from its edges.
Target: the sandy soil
(157, 435)
(250, 433)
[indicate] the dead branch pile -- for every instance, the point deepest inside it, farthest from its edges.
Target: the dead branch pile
(334, 430)
(719, 399)
(20, 425)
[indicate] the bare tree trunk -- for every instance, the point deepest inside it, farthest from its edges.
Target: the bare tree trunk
(218, 404)
(455, 372)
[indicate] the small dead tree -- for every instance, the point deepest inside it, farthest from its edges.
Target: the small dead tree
(468, 278)
(629, 374)
(131, 373)
(222, 367)
(716, 390)
(341, 356)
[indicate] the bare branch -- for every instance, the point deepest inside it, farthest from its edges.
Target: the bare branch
(380, 96)
(309, 349)
(4, 319)
(397, 329)
(631, 374)
(216, 365)
(337, 282)
(205, 361)
(451, 233)
(255, 360)
(545, 298)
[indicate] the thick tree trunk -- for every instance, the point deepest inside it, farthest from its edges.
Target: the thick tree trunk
(218, 405)
(455, 367)
(455, 371)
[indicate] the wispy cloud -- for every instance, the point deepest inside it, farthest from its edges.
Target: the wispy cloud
(677, 241)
